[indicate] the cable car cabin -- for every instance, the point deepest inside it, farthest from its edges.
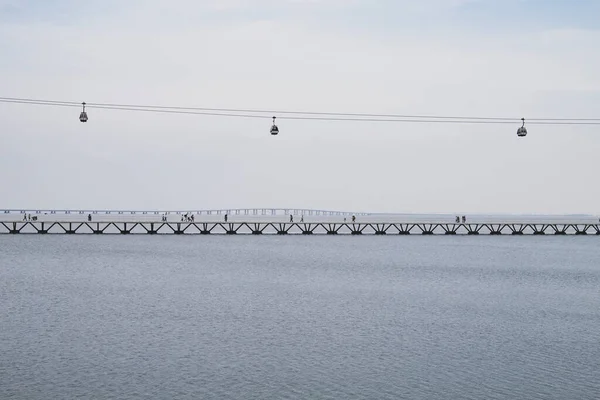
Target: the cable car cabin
(274, 128)
(522, 131)
(83, 116)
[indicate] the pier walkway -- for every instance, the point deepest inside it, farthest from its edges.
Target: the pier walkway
(270, 221)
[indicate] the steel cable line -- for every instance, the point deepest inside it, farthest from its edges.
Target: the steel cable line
(309, 118)
(181, 110)
(254, 111)
(305, 115)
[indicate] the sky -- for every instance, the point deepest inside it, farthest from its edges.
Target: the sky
(490, 58)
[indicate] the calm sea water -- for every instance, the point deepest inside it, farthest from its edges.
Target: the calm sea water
(299, 317)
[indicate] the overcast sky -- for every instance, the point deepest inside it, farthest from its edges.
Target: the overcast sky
(509, 58)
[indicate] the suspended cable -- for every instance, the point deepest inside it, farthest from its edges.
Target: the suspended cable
(301, 118)
(251, 111)
(304, 115)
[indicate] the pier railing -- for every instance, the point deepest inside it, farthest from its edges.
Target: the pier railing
(206, 212)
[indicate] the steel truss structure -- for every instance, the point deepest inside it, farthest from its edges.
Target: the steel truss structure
(294, 228)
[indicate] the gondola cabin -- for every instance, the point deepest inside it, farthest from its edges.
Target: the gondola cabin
(274, 128)
(522, 131)
(83, 115)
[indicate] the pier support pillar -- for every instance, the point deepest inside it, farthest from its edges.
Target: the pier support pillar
(178, 231)
(42, 231)
(125, 231)
(70, 231)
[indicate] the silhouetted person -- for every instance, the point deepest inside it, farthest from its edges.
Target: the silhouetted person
(225, 217)
(353, 218)
(291, 218)
(464, 219)
(89, 217)
(302, 218)
(457, 219)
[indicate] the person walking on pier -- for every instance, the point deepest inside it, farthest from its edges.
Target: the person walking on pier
(353, 218)
(291, 218)
(89, 217)
(464, 219)
(302, 218)
(225, 218)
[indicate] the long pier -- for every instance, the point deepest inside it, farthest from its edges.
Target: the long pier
(283, 221)
(125, 227)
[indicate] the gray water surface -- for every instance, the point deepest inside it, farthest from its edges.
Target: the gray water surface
(299, 317)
